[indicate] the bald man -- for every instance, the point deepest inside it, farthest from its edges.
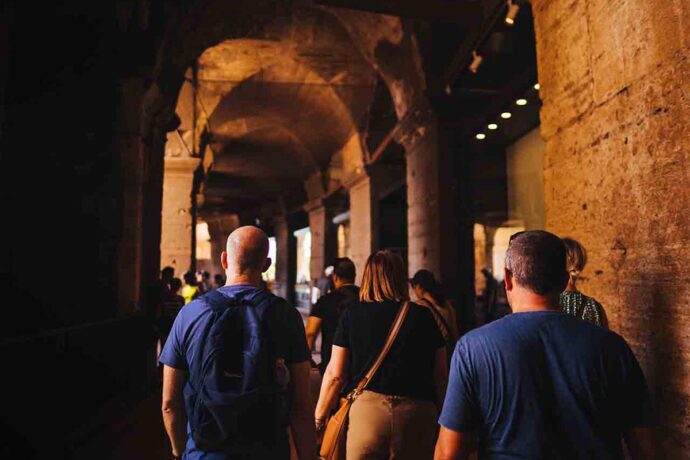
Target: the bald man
(244, 260)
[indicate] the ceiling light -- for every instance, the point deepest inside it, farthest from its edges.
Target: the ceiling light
(513, 9)
(506, 115)
(476, 62)
(480, 136)
(521, 102)
(537, 86)
(492, 126)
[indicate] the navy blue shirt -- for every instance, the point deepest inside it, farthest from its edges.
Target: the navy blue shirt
(187, 331)
(545, 385)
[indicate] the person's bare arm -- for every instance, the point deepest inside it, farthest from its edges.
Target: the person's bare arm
(174, 417)
(313, 329)
(640, 442)
(454, 445)
(303, 432)
(440, 376)
(332, 382)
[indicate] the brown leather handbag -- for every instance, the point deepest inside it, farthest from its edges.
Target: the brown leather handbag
(333, 442)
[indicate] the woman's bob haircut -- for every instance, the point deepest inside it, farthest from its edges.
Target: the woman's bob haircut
(384, 278)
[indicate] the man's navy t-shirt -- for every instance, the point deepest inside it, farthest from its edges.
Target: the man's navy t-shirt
(545, 385)
(186, 334)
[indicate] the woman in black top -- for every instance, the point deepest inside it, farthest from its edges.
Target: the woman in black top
(396, 415)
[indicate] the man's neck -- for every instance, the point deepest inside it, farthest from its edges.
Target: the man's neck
(243, 279)
(529, 302)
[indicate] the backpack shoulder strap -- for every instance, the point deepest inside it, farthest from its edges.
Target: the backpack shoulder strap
(215, 300)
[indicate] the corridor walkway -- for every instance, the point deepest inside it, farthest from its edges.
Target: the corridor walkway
(139, 436)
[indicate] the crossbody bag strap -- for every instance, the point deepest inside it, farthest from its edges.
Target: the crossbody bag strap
(392, 334)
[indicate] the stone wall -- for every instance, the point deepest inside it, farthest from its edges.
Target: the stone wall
(615, 81)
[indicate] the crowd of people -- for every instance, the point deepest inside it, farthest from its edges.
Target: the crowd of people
(548, 381)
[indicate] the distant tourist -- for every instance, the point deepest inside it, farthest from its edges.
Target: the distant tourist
(218, 281)
(324, 285)
(573, 301)
(489, 295)
(203, 281)
(170, 306)
(395, 415)
(541, 384)
(236, 367)
(167, 274)
(190, 290)
(325, 314)
(430, 294)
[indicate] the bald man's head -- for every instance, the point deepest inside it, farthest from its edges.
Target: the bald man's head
(247, 250)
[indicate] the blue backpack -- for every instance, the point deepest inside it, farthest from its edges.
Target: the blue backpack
(234, 400)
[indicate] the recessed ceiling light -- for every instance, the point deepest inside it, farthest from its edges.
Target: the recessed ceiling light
(537, 86)
(521, 102)
(481, 136)
(506, 115)
(492, 126)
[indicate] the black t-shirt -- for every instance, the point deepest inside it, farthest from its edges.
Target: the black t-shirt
(329, 308)
(409, 366)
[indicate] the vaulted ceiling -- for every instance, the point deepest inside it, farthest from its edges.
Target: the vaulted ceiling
(273, 109)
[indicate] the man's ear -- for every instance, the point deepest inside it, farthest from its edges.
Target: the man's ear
(224, 260)
(267, 264)
(508, 279)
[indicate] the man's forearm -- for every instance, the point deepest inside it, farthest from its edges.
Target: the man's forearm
(175, 422)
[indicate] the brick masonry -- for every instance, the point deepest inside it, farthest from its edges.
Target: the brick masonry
(615, 81)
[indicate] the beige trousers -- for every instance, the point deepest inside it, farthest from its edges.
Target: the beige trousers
(391, 427)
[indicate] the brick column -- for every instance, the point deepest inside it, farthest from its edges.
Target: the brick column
(178, 221)
(615, 80)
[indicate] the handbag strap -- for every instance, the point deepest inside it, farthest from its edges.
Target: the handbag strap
(392, 334)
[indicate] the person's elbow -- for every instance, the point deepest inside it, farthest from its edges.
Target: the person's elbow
(445, 452)
(171, 406)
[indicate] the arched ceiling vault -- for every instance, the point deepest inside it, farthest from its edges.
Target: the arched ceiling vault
(288, 86)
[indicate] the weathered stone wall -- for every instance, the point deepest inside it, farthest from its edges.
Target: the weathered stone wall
(615, 79)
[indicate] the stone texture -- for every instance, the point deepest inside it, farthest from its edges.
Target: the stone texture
(318, 225)
(178, 220)
(129, 251)
(423, 188)
(615, 80)
(284, 287)
(362, 222)
(219, 228)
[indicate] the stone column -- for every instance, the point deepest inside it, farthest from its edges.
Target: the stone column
(319, 226)
(615, 80)
(420, 140)
(132, 166)
(362, 219)
(285, 258)
(219, 228)
(178, 221)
